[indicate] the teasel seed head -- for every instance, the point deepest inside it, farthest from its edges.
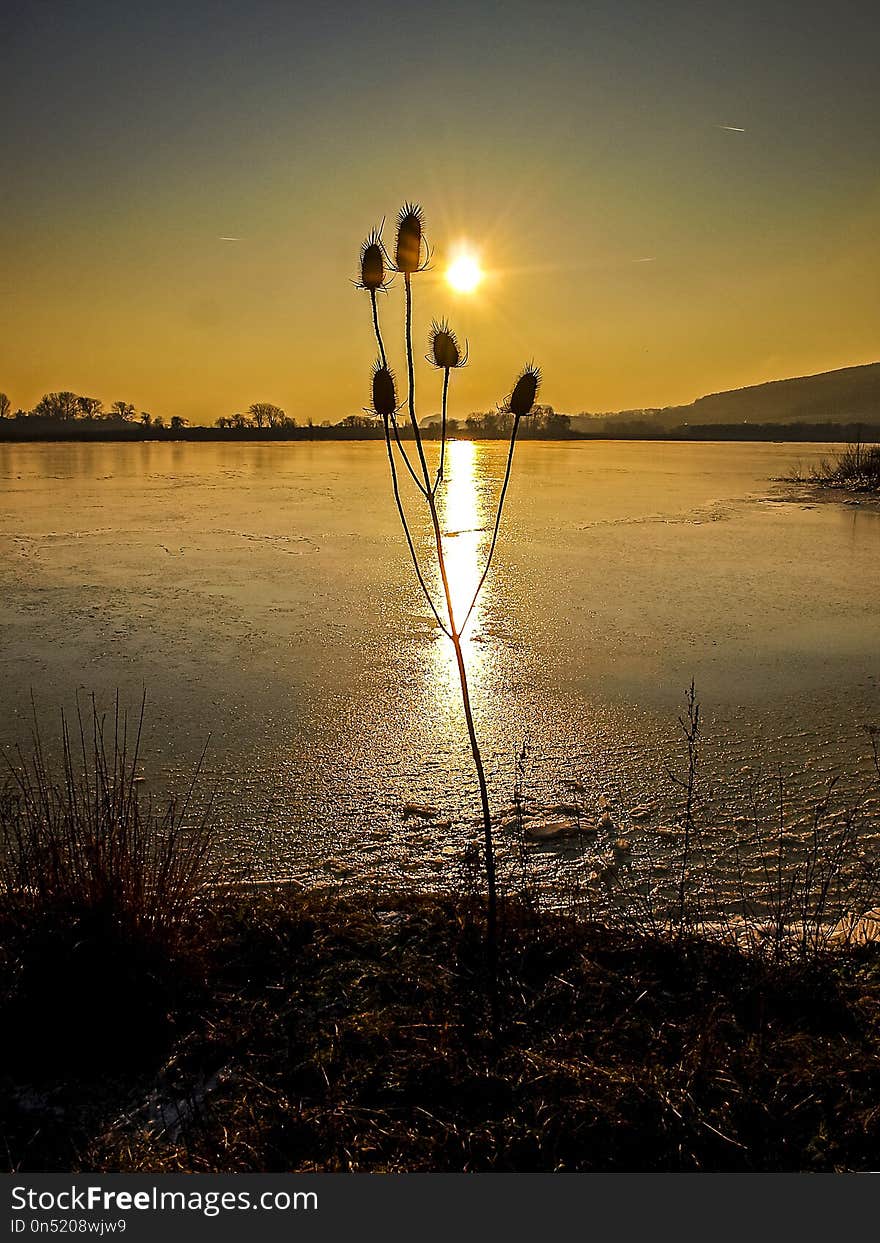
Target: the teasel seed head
(372, 264)
(522, 399)
(410, 226)
(443, 348)
(384, 392)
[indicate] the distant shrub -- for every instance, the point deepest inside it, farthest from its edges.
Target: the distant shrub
(856, 468)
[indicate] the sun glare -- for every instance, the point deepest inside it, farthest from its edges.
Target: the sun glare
(464, 273)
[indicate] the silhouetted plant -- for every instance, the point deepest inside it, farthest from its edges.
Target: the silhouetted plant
(690, 728)
(857, 468)
(411, 256)
(98, 886)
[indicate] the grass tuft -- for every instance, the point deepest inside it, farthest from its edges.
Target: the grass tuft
(857, 469)
(98, 895)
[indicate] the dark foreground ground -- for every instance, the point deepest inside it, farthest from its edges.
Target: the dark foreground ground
(314, 1032)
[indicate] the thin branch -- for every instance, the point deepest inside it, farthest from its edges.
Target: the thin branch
(384, 358)
(439, 478)
(404, 455)
(497, 523)
(384, 363)
(406, 532)
(379, 341)
(411, 399)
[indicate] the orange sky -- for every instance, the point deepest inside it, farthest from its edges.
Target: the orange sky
(639, 251)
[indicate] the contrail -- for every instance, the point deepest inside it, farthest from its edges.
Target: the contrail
(734, 129)
(228, 239)
(650, 259)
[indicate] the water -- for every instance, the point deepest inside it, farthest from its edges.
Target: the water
(262, 596)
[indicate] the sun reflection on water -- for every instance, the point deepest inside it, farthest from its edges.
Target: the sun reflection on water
(464, 536)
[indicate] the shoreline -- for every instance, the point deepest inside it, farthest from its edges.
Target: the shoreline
(309, 1031)
(815, 492)
(334, 435)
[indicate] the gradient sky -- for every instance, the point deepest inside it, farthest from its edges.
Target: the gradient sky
(639, 251)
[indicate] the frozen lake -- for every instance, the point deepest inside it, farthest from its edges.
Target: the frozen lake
(262, 595)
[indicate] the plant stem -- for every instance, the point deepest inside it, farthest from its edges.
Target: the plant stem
(384, 360)
(411, 398)
(405, 456)
(376, 328)
(439, 478)
(492, 902)
(691, 733)
(454, 634)
(485, 573)
(406, 532)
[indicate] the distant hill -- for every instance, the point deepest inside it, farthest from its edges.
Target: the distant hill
(850, 395)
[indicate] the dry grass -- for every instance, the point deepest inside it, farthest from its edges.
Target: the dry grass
(857, 469)
(339, 1035)
(98, 891)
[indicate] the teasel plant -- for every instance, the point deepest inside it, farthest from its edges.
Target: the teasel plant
(410, 257)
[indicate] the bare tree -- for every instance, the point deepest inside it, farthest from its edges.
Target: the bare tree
(5, 406)
(89, 407)
(264, 414)
(122, 410)
(62, 406)
(359, 422)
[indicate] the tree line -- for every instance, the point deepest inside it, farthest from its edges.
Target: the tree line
(58, 410)
(544, 423)
(261, 414)
(66, 407)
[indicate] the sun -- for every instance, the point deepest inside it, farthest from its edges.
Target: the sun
(464, 273)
